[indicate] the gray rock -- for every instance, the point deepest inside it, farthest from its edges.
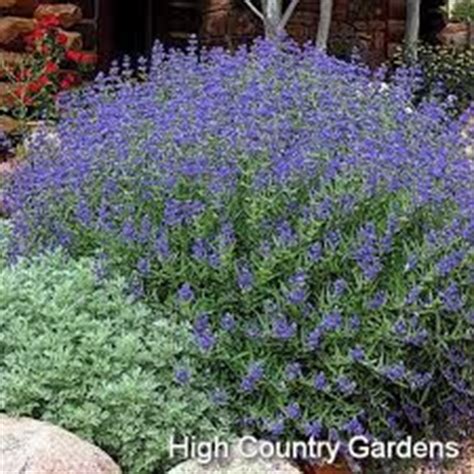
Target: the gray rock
(237, 464)
(32, 447)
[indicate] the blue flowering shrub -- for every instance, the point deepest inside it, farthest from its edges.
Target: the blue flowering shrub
(312, 226)
(78, 353)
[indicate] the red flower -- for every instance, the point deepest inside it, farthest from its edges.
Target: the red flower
(81, 57)
(88, 58)
(50, 21)
(36, 86)
(69, 80)
(73, 56)
(51, 68)
(61, 38)
(20, 91)
(35, 36)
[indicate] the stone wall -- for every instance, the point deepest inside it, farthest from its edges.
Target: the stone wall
(458, 34)
(375, 27)
(19, 17)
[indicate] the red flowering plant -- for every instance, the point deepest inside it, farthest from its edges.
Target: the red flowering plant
(50, 68)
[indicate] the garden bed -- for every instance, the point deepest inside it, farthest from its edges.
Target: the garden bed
(272, 243)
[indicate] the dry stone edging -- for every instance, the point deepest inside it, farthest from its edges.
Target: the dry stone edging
(29, 446)
(236, 464)
(67, 14)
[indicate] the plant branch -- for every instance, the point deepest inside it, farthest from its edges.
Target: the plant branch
(288, 14)
(255, 10)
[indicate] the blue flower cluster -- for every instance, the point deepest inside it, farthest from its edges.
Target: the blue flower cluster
(311, 225)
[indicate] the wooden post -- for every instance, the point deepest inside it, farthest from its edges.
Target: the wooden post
(105, 32)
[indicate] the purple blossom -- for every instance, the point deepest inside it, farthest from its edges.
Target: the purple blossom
(332, 321)
(395, 372)
(199, 250)
(377, 301)
(412, 262)
(185, 292)
(357, 354)
(228, 323)
(161, 246)
(219, 397)
(214, 259)
(255, 373)
(203, 334)
(297, 296)
(320, 382)
(340, 286)
(182, 375)
(449, 262)
(457, 357)
(298, 279)
(315, 252)
(413, 413)
(293, 411)
(253, 330)
(128, 231)
(283, 329)
(420, 380)
(276, 428)
(205, 340)
(413, 296)
(313, 429)
(286, 235)
(244, 278)
(210, 169)
(178, 213)
(143, 266)
(400, 328)
(83, 213)
(367, 254)
(354, 323)
(418, 338)
(333, 239)
(314, 339)
(202, 323)
(353, 427)
(345, 385)
(293, 371)
(452, 299)
(145, 230)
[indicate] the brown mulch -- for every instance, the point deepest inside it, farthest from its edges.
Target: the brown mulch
(464, 466)
(7, 167)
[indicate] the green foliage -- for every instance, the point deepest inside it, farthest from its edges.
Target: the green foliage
(463, 11)
(447, 71)
(79, 354)
(4, 236)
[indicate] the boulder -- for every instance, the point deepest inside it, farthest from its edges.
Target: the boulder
(32, 447)
(12, 28)
(67, 13)
(463, 465)
(9, 125)
(456, 34)
(8, 96)
(73, 40)
(19, 7)
(236, 463)
(10, 60)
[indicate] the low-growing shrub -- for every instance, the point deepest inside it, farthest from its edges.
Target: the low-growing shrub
(77, 353)
(50, 67)
(463, 10)
(446, 72)
(312, 225)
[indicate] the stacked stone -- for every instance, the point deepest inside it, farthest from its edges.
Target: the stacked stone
(458, 34)
(20, 17)
(375, 27)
